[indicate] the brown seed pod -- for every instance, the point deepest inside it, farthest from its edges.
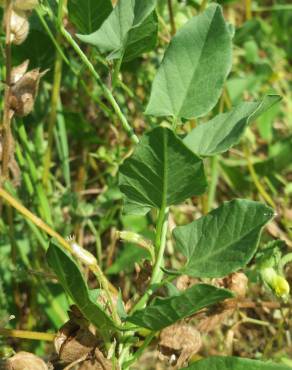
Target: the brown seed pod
(19, 27)
(26, 361)
(178, 343)
(24, 91)
(18, 72)
(25, 4)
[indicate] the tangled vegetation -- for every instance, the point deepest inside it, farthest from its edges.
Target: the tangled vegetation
(145, 185)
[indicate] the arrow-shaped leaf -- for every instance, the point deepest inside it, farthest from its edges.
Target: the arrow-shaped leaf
(71, 279)
(223, 131)
(129, 31)
(224, 240)
(162, 171)
(191, 76)
(166, 311)
(88, 15)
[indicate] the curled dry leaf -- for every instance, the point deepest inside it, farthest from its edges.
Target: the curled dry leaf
(19, 27)
(178, 343)
(236, 282)
(24, 90)
(25, 361)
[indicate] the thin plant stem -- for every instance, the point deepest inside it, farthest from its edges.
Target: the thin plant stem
(248, 13)
(213, 181)
(171, 17)
(117, 69)
(203, 5)
(43, 226)
(54, 101)
(6, 125)
(107, 93)
(139, 352)
(160, 244)
(24, 334)
(255, 178)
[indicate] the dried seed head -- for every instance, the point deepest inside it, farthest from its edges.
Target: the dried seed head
(19, 27)
(178, 343)
(18, 72)
(26, 360)
(24, 91)
(25, 4)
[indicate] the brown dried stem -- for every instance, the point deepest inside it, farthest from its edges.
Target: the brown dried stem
(6, 125)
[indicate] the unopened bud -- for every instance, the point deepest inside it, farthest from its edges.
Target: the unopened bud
(277, 283)
(83, 255)
(131, 237)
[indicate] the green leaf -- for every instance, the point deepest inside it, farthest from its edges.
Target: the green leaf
(130, 30)
(234, 363)
(191, 76)
(224, 240)
(88, 15)
(162, 171)
(166, 311)
(71, 279)
(223, 131)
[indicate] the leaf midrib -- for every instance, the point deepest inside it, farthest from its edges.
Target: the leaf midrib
(197, 65)
(206, 257)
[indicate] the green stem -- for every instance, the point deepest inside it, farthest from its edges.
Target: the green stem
(248, 13)
(284, 260)
(139, 352)
(255, 178)
(117, 68)
(160, 244)
(171, 17)
(214, 181)
(54, 99)
(107, 93)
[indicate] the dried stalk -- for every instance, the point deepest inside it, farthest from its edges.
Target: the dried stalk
(7, 115)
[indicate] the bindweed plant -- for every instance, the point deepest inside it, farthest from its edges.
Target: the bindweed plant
(165, 169)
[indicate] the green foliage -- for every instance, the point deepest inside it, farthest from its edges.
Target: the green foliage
(161, 171)
(234, 363)
(87, 161)
(166, 311)
(190, 78)
(129, 31)
(225, 130)
(72, 280)
(223, 241)
(88, 15)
